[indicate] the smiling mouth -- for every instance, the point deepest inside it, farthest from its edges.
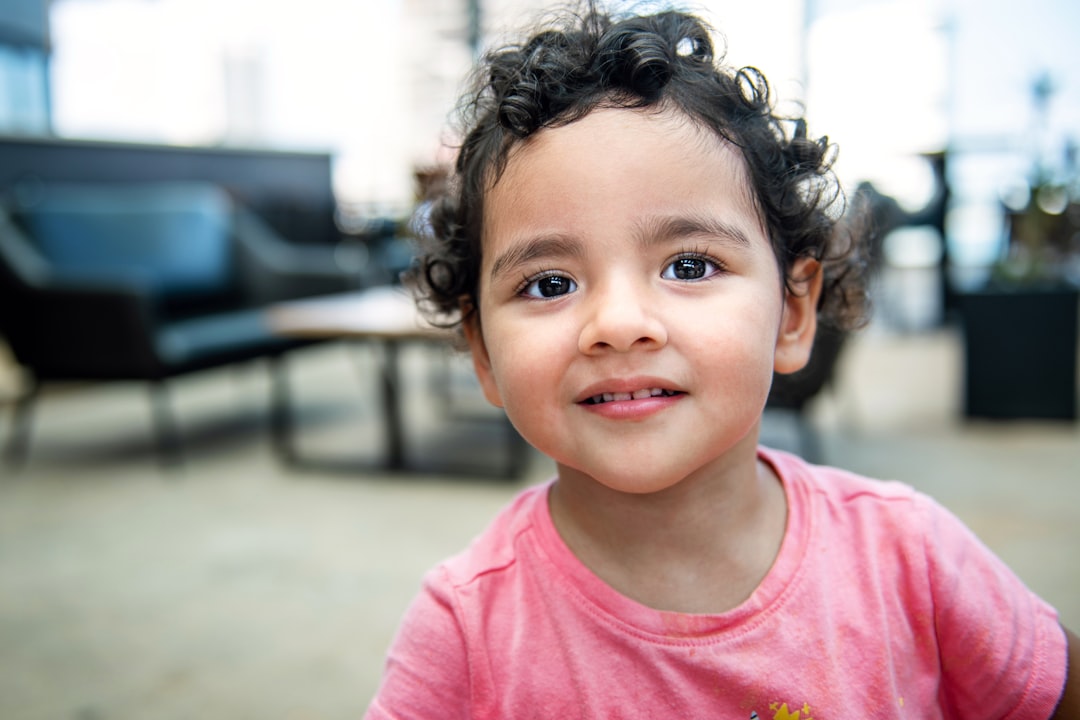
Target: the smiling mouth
(626, 396)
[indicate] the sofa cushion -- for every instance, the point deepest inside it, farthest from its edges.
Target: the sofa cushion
(215, 338)
(170, 237)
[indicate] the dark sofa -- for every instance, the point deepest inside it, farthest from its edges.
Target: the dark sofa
(145, 281)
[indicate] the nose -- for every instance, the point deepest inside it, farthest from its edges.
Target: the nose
(620, 318)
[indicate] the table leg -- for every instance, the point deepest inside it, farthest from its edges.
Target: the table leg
(394, 456)
(282, 432)
(391, 402)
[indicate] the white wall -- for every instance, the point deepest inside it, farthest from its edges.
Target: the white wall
(318, 74)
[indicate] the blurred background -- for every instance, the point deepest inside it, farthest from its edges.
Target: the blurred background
(173, 172)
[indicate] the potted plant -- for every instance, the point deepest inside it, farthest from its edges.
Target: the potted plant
(1020, 330)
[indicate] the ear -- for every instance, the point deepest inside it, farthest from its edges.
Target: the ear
(474, 335)
(799, 323)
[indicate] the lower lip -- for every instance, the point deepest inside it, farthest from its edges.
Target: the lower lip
(633, 409)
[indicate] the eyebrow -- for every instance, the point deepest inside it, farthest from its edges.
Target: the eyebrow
(544, 246)
(665, 229)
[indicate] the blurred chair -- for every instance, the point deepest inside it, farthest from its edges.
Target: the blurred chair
(145, 282)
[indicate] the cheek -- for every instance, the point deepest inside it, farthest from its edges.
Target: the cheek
(738, 345)
(528, 368)
(515, 357)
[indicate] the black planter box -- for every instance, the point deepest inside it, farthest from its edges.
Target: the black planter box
(1020, 350)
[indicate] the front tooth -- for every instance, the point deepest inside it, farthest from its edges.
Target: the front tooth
(642, 394)
(622, 396)
(608, 397)
(656, 392)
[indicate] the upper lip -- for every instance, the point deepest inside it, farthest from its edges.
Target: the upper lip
(626, 385)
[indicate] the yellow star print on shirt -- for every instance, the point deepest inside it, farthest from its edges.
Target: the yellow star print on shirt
(782, 712)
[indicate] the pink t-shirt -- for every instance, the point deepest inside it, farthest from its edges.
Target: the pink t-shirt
(880, 604)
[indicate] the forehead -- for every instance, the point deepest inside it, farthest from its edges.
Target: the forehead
(649, 159)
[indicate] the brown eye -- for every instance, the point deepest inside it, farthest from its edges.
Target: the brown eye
(689, 268)
(549, 286)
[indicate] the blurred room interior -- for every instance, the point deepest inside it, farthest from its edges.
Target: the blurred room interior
(236, 546)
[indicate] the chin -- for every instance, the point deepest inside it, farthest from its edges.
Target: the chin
(652, 471)
(632, 479)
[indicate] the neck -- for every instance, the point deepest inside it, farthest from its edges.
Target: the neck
(701, 545)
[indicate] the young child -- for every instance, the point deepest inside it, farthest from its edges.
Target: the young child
(634, 242)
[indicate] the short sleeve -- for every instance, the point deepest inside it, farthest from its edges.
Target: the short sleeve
(427, 674)
(1002, 650)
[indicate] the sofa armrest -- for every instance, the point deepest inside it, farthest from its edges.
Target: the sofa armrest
(272, 269)
(83, 330)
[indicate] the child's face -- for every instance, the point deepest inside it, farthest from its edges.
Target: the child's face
(631, 309)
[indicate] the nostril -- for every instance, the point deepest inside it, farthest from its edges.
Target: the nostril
(621, 325)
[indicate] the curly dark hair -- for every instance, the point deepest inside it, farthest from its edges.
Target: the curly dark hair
(591, 58)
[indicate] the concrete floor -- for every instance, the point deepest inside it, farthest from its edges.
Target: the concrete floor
(238, 588)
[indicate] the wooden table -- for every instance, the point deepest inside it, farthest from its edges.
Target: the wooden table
(386, 315)
(381, 313)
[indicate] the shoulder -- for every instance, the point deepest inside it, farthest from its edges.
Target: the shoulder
(926, 574)
(838, 490)
(891, 510)
(498, 547)
(439, 664)
(881, 524)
